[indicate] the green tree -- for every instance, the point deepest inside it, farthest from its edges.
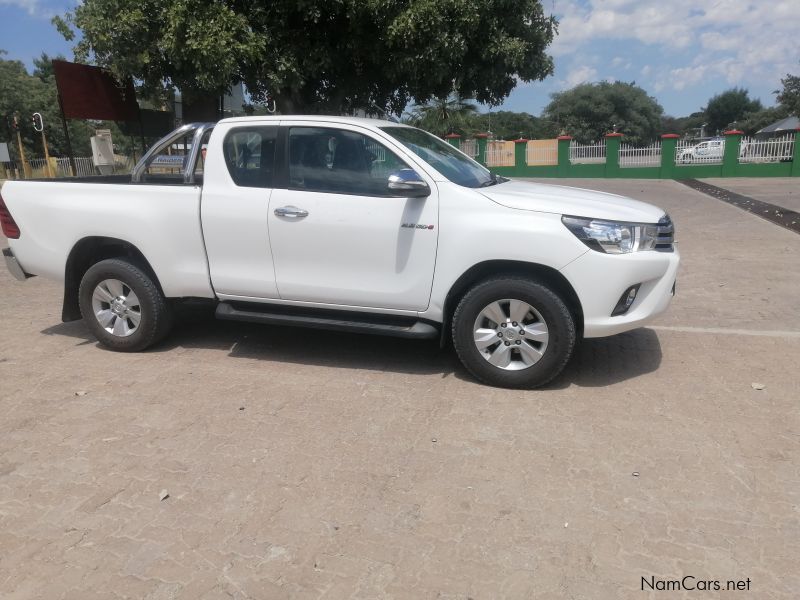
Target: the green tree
(725, 109)
(24, 94)
(508, 125)
(79, 130)
(590, 110)
(789, 96)
(444, 115)
(752, 122)
(320, 55)
(691, 125)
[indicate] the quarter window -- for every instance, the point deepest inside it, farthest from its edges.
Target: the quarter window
(323, 159)
(168, 165)
(250, 156)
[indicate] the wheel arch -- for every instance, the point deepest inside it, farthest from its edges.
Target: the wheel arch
(89, 251)
(493, 268)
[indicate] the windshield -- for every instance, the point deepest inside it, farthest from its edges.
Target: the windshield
(443, 157)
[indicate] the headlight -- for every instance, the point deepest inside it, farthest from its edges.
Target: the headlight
(613, 237)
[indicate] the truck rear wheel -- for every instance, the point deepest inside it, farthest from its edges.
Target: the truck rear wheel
(123, 307)
(513, 332)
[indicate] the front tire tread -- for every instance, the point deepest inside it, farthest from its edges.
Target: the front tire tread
(559, 319)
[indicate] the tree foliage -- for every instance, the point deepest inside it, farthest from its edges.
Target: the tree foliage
(727, 108)
(789, 95)
(753, 122)
(456, 115)
(25, 93)
(508, 125)
(733, 107)
(321, 55)
(691, 125)
(590, 110)
(444, 115)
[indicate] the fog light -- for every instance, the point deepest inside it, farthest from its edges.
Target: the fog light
(626, 300)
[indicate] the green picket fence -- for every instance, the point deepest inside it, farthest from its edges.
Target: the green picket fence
(671, 158)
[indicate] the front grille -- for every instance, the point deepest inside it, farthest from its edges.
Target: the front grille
(665, 237)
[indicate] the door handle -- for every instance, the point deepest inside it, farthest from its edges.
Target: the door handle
(291, 211)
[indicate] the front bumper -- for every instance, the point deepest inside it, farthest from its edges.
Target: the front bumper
(13, 265)
(599, 280)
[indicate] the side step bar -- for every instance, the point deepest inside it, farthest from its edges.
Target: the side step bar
(414, 329)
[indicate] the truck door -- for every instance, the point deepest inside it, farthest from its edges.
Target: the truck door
(338, 235)
(235, 203)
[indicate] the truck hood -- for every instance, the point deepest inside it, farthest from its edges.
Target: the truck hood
(559, 199)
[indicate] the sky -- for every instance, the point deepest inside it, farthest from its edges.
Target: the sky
(681, 51)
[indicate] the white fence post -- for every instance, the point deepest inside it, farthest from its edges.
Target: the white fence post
(587, 153)
(649, 156)
(469, 147)
(771, 150)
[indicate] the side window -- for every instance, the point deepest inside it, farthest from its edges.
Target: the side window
(250, 155)
(323, 159)
(168, 165)
(200, 164)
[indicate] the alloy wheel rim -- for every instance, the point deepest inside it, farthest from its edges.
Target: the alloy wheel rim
(511, 334)
(116, 307)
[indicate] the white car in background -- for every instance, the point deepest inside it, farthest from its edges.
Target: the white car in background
(710, 151)
(350, 225)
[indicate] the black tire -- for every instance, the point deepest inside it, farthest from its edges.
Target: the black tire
(156, 313)
(557, 317)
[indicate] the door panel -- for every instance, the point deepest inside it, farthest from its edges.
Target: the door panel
(235, 205)
(352, 249)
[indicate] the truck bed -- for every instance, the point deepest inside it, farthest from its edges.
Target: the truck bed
(56, 216)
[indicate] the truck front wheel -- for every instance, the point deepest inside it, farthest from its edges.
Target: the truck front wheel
(513, 332)
(123, 307)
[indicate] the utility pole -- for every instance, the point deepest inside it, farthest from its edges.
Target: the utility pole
(73, 168)
(26, 170)
(38, 125)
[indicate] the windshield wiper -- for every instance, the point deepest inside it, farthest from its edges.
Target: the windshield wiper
(492, 181)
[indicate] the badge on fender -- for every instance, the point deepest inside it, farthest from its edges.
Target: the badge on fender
(416, 226)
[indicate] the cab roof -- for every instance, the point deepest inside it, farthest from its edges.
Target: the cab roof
(363, 121)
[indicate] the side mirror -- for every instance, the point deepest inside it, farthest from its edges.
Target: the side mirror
(408, 184)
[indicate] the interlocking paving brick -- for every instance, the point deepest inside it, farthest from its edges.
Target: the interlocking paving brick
(329, 484)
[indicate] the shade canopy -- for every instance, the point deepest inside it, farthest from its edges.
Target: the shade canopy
(787, 124)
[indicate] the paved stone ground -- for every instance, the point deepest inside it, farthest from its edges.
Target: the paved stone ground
(335, 466)
(781, 191)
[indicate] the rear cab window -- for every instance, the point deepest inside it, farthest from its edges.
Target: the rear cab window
(177, 159)
(250, 155)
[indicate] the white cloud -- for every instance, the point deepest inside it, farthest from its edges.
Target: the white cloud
(44, 9)
(714, 40)
(579, 75)
(740, 41)
(621, 62)
(683, 77)
(31, 6)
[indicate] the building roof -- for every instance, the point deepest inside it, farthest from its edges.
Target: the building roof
(787, 124)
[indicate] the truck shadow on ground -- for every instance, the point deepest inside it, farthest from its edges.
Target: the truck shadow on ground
(596, 363)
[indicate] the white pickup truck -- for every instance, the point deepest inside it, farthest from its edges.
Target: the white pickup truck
(710, 151)
(345, 224)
